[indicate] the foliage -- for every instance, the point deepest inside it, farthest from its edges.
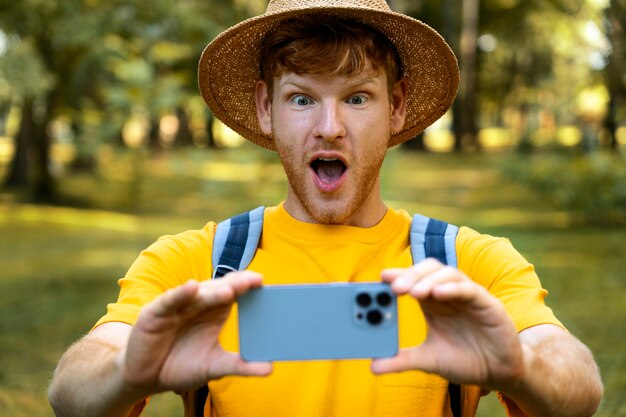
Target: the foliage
(592, 185)
(23, 71)
(93, 64)
(533, 56)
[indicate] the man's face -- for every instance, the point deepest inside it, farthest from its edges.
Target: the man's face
(331, 134)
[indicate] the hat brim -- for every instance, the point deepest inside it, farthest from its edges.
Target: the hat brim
(229, 69)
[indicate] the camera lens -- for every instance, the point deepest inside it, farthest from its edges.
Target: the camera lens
(364, 299)
(374, 317)
(383, 299)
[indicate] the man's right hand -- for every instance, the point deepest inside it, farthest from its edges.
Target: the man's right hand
(174, 344)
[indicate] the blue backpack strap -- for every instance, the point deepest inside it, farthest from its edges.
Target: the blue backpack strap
(234, 245)
(432, 238)
(235, 242)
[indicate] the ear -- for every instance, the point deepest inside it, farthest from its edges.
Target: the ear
(398, 105)
(263, 107)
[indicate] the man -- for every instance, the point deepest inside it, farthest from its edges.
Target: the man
(330, 85)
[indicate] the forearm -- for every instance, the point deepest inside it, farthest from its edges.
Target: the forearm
(560, 379)
(87, 382)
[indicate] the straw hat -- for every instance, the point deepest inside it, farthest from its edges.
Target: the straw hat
(229, 66)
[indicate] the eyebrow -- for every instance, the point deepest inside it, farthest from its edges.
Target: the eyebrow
(348, 85)
(294, 84)
(368, 80)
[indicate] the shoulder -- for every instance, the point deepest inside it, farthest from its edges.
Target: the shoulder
(471, 242)
(173, 259)
(187, 241)
(495, 264)
(489, 257)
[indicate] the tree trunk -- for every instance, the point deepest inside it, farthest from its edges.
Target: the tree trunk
(610, 122)
(613, 72)
(30, 167)
(44, 186)
(18, 177)
(154, 130)
(183, 134)
(466, 135)
(416, 144)
(209, 130)
(450, 32)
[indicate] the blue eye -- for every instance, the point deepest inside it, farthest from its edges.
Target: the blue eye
(358, 99)
(301, 100)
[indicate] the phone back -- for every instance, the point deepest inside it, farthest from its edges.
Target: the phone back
(324, 321)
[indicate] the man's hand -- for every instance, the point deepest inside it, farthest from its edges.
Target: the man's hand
(471, 340)
(174, 344)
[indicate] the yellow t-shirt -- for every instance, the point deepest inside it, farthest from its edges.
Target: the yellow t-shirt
(295, 252)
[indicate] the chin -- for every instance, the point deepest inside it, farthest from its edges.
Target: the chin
(330, 218)
(337, 213)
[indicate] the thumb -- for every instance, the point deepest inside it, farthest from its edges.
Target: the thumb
(231, 363)
(414, 358)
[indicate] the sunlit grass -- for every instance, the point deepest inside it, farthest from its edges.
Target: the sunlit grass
(59, 265)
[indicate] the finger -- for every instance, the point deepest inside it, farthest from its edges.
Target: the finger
(405, 279)
(462, 290)
(243, 281)
(231, 364)
(444, 278)
(253, 368)
(390, 274)
(415, 358)
(223, 291)
(173, 299)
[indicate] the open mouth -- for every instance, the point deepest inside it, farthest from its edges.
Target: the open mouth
(328, 170)
(329, 173)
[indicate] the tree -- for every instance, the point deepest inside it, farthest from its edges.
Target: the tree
(615, 22)
(58, 38)
(28, 83)
(467, 130)
(100, 57)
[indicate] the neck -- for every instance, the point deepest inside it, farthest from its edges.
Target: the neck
(366, 214)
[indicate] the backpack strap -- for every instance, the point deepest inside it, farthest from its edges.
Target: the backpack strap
(235, 242)
(234, 245)
(432, 238)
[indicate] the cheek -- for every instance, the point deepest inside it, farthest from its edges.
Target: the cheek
(372, 158)
(290, 158)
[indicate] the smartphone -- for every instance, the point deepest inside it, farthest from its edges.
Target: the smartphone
(318, 321)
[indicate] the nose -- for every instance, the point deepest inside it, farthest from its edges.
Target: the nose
(330, 125)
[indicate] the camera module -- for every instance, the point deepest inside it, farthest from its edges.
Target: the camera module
(363, 299)
(374, 317)
(383, 299)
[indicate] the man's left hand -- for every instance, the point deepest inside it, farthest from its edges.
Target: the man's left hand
(471, 339)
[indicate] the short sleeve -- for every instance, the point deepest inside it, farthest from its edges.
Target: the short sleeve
(495, 264)
(169, 262)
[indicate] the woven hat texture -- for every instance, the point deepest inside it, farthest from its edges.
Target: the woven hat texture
(229, 67)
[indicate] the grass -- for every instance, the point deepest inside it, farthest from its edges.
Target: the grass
(59, 265)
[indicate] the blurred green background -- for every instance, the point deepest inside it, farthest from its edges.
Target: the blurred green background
(105, 145)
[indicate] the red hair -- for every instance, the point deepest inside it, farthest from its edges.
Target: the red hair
(325, 45)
